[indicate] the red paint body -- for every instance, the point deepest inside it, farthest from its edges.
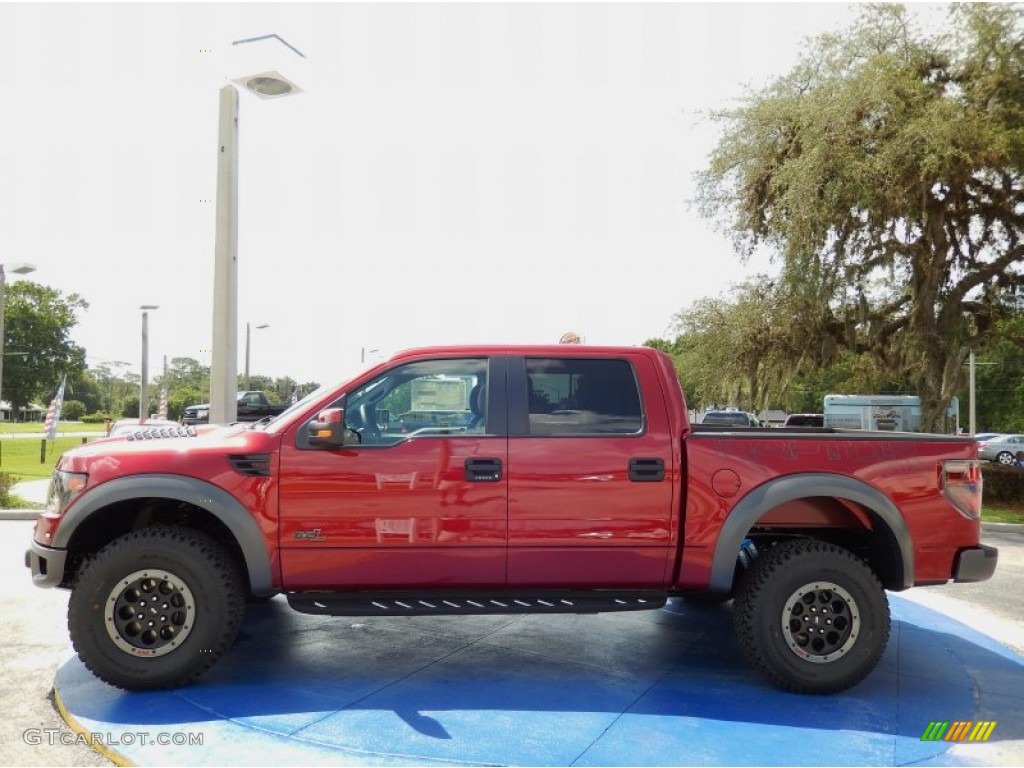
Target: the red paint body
(564, 513)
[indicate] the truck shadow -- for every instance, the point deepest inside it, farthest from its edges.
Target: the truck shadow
(585, 688)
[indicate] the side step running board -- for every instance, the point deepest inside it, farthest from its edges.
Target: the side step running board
(448, 603)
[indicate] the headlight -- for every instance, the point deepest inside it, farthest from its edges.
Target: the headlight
(64, 487)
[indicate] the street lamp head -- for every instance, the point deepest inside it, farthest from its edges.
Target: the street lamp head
(263, 325)
(268, 85)
(149, 306)
(21, 269)
(257, 64)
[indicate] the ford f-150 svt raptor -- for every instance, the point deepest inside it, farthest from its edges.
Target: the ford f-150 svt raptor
(572, 482)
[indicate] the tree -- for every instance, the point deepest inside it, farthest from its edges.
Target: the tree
(741, 350)
(111, 387)
(746, 350)
(885, 172)
(186, 372)
(86, 389)
(181, 398)
(38, 347)
(999, 381)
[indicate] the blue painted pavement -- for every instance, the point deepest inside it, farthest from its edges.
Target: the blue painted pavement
(666, 687)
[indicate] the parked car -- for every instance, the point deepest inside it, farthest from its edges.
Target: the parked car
(982, 437)
(252, 406)
(731, 419)
(1001, 449)
(805, 420)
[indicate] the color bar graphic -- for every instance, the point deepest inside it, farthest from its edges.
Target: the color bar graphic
(958, 730)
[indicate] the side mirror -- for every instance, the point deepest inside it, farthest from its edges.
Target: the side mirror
(328, 429)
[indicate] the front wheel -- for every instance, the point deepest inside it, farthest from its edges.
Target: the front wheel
(1005, 458)
(155, 608)
(811, 616)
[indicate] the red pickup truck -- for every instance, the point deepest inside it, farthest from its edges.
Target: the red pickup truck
(569, 480)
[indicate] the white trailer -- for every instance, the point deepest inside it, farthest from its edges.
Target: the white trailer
(889, 413)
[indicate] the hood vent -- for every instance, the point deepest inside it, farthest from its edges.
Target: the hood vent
(253, 464)
(156, 433)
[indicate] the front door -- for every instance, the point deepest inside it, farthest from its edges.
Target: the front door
(420, 502)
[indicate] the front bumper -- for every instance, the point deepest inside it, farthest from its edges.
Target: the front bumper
(46, 564)
(975, 564)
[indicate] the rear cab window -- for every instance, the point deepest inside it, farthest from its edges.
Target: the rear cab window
(579, 396)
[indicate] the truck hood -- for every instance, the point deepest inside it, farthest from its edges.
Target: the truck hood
(183, 450)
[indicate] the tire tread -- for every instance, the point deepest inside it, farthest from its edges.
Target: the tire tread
(750, 594)
(206, 554)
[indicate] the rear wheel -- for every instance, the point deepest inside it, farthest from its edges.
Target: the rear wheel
(811, 616)
(1005, 457)
(156, 608)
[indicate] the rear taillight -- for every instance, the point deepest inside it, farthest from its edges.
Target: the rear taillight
(961, 483)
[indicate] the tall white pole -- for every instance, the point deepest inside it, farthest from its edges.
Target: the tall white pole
(3, 298)
(971, 394)
(248, 345)
(144, 386)
(224, 354)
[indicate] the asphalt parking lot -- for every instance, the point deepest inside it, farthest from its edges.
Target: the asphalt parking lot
(33, 635)
(647, 688)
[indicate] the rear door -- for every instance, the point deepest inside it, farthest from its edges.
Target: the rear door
(406, 508)
(590, 473)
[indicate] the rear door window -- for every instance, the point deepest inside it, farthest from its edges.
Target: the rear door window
(571, 396)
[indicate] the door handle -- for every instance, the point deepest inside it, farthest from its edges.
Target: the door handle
(483, 470)
(646, 470)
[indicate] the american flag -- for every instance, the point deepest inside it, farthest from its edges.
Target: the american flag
(295, 396)
(53, 412)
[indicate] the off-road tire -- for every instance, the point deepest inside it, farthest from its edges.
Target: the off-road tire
(811, 616)
(176, 581)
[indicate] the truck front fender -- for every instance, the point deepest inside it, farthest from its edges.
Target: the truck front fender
(220, 504)
(766, 497)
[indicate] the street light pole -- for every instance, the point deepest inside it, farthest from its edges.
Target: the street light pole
(248, 344)
(224, 355)
(21, 269)
(971, 412)
(144, 387)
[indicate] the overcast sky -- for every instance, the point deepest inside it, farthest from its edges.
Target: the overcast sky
(453, 173)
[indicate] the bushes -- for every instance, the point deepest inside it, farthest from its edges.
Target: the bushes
(72, 410)
(96, 418)
(1002, 484)
(6, 483)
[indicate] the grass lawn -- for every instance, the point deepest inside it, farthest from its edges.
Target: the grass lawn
(19, 457)
(20, 427)
(1004, 512)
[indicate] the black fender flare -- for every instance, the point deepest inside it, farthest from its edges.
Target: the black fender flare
(789, 488)
(218, 502)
